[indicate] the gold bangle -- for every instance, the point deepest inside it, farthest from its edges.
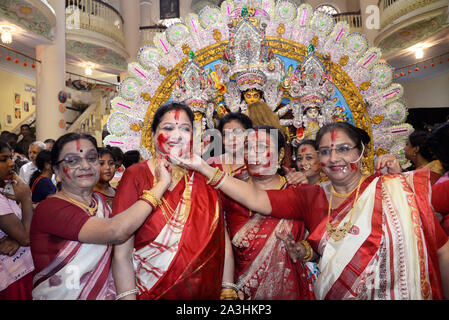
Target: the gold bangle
(216, 177)
(309, 251)
(213, 176)
(151, 197)
(228, 294)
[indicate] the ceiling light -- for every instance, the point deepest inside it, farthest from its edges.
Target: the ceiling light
(88, 69)
(6, 32)
(419, 52)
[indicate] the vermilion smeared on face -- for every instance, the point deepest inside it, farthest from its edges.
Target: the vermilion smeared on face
(303, 150)
(78, 145)
(333, 137)
(161, 139)
(177, 113)
(353, 167)
(66, 172)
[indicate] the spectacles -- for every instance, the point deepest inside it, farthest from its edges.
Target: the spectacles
(75, 161)
(341, 150)
(4, 158)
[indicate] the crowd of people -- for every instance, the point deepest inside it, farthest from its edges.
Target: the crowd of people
(177, 226)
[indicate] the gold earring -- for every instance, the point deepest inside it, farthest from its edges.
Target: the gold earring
(281, 157)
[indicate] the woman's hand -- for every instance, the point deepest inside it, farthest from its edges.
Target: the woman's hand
(22, 191)
(191, 162)
(296, 177)
(8, 246)
(388, 161)
(295, 250)
(163, 172)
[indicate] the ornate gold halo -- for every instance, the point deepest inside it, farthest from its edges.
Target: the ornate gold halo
(280, 46)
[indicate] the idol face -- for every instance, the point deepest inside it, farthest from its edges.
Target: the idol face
(251, 96)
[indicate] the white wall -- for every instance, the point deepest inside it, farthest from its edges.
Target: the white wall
(430, 93)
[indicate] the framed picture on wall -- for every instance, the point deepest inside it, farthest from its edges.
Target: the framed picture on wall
(26, 106)
(169, 9)
(17, 98)
(17, 113)
(8, 119)
(33, 100)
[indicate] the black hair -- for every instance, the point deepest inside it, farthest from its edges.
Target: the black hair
(4, 145)
(103, 151)
(50, 141)
(357, 135)
(117, 153)
(163, 109)
(25, 125)
(63, 140)
(244, 120)
(42, 158)
(438, 143)
(131, 157)
(418, 138)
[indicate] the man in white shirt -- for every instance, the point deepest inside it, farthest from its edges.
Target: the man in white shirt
(27, 169)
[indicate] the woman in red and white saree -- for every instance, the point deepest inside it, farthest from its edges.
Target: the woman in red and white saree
(179, 252)
(378, 237)
(263, 269)
(72, 231)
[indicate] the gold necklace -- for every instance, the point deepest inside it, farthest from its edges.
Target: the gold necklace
(90, 209)
(338, 233)
(170, 217)
(282, 182)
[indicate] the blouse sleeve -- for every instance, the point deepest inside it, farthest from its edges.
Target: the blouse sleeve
(441, 236)
(440, 197)
(128, 190)
(59, 218)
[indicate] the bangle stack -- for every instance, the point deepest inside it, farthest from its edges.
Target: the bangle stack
(228, 291)
(150, 198)
(309, 251)
(218, 178)
(127, 293)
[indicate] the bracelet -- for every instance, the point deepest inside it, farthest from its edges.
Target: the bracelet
(229, 285)
(148, 202)
(216, 177)
(221, 182)
(215, 173)
(309, 251)
(228, 294)
(127, 293)
(151, 197)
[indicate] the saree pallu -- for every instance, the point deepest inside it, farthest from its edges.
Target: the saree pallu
(80, 271)
(182, 261)
(390, 252)
(263, 268)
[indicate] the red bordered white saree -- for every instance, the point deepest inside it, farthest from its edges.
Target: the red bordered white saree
(391, 251)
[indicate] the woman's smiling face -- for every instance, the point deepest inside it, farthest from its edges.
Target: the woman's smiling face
(173, 134)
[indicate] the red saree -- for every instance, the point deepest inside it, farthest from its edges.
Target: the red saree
(440, 201)
(195, 266)
(263, 269)
(391, 251)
